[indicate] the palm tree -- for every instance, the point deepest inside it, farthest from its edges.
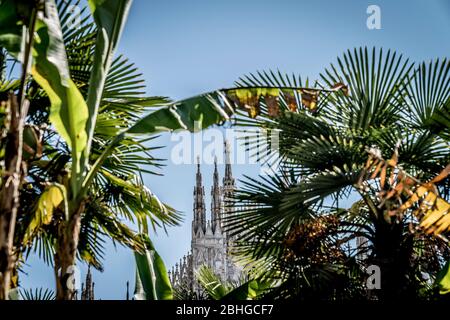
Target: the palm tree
(387, 110)
(85, 170)
(118, 191)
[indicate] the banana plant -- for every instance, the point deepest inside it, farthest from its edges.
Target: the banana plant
(75, 117)
(17, 25)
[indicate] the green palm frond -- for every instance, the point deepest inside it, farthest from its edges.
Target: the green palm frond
(79, 34)
(270, 79)
(123, 81)
(258, 220)
(40, 294)
(428, 91)
(377, 83)
(7, 86)
(259, 200)
(134, 201)
(129, 157)
(242, 289)
(185, 293)
(73, 22)
(43, 246)
(421, 151)
(262, 246)
(440, 121)
(98, 224)
(316, 188)
(317, 153)
(393, 107)
(110, 225)
(123, 103)
(212, 284)
(91, 243)
(375, 101)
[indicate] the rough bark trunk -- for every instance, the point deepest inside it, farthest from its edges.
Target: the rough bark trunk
(9, 192)
(68, 236)
(393, 253)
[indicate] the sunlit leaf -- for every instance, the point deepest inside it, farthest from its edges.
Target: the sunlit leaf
(443, 279)
(51, 199)
(152, 279)
(68, 112)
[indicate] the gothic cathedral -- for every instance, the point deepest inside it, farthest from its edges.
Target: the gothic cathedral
(210, 244)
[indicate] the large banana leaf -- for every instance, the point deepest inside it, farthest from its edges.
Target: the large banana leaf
(191, 114)
(152, 280)
(53, 197)
(110, 17)
(200, 112)
(68, 111)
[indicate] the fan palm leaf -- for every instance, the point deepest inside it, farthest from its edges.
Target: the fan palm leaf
(389, 107)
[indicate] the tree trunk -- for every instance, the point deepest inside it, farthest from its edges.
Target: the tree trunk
(9, 192)
(392, 255)
(68, 236)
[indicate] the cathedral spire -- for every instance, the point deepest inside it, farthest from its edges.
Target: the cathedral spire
(210, 244)
(228, 173)
(87, 291)
(199, 202)
(215, 198)
(228, 180)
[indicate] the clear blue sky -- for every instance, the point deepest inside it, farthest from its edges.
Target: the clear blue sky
(185, 47)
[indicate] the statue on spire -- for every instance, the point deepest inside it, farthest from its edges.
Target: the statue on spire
(228, 174)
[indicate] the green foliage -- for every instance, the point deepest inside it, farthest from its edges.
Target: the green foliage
(192, 114)
(389, 106)
(443, 279)
(13, 16)
(39, 294)
(219, 290)
(110, 17)
(152, 280)
(250, 290)
(212, 284)
(52, 197)
(68, 111)
(90, 154)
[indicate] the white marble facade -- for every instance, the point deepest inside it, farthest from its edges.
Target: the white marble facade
(210, 244)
